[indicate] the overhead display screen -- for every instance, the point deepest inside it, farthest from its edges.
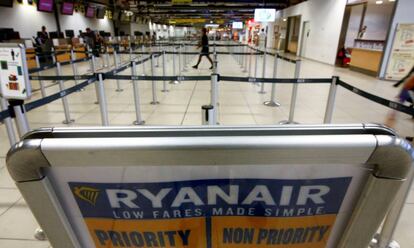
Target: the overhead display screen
(45, 5)
(67, 8)
(264, 15)
(90, 12)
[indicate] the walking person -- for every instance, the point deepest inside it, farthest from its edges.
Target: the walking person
(204, 49)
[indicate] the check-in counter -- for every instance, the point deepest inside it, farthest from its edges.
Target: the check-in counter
(366, 60)
(65, 56)
(31, 58)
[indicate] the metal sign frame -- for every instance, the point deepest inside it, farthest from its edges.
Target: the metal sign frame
(375, 148)
(24, 72)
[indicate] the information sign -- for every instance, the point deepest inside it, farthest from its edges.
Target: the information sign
(14, 76)
(264, 15)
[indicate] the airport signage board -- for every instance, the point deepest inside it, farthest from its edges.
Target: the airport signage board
(243, 210)
(14, 76)
(264, 15)
(237, 25)
(181, 1)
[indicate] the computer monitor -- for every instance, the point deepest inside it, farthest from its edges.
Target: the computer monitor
(70, 33)
(53, 35)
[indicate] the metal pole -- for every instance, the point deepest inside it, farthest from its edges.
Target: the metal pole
(164, 84)
(184, 58)
(102, 101)
(250, 62)
(67, 120)
(331, 101)
(21, 120)
(74, 68)
(93, 67)
(385, 239)
(272, 102)
(262, 90)
(294, 96)
(116, 61)
(143, 63)
(244, 59)
(255, 65)
(137, 102)
(174, 69)
(154, 85)
(214, 96)
(8, 122)
(42, 87)
(179, 60)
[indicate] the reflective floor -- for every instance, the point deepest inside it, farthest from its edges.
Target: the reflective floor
(239, 104)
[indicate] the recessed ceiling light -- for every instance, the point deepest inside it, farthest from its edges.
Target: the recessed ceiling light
(379, 2)
(284, 19)
(391, 0)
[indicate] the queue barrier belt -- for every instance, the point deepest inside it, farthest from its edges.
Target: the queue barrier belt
(111, 75)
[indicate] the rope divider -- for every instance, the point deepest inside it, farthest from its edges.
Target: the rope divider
(385, 102)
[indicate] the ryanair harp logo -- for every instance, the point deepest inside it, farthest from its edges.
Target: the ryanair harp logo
(87, 194)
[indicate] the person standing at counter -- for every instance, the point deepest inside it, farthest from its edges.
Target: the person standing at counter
(362, 32)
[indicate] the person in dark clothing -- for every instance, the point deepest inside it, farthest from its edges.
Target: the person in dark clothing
(43, 35)
(204, 49)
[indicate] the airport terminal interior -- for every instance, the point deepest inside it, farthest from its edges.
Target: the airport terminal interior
(126, 123)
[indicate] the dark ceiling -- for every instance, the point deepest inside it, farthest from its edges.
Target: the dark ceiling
(198, 12)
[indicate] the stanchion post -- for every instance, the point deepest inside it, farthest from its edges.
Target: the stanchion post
(116, 61)
(42, 86)
(184, 58)
(8, 122)
(214, 96)
(74, 67)
(102, 100)
(20, 117)
(174, 66)
(179, 60)
(164, 83)
(262, 86)
(250, 62)
(154, 85)
(255, 64)
(143, 63)
(272, 102)
(67, 120)
(331, 101)
(137, 101)
(93, 67)
(294, 96)
(244, 59)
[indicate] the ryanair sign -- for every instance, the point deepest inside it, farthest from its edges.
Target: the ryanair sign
(211, 213)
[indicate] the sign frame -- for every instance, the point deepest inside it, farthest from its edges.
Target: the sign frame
(375, 148)
(24, 81)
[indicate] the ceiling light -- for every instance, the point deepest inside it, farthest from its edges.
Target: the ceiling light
(379, 2)
(391, 0)
(284, 19)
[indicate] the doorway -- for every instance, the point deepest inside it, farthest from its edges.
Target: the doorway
(305, 37)
(292, 35)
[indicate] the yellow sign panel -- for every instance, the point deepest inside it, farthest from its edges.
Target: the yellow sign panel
(181, 1)
(187, 20)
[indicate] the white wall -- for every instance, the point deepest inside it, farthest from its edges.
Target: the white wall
(353, 25)
(325, 20)
(403, 14)
(28, 21)
(377, 19)
(79, 21)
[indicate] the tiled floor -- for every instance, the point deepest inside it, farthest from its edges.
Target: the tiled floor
(239, 103)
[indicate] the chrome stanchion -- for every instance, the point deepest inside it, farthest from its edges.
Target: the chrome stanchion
(106, 57)
(244, 59)
(93, 68)
(214, 96)
(158, 57)
(39, 73)
(102, 100)
(174, 67)
(331, 101)
(143, 63)
(250, 62)
(137, 101)
(154, 85)
(207, 115)
(294, 96)
(164, 83)
(255, 66)
(184, 59)
(20, 117)
(8, 122)
(116, 62)
(74, 68)
(67, 120)
(272, 102)
(262, 86)
(180, 69)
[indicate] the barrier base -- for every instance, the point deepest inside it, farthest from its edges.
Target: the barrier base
(138, 122)
(375, 243)
(288, 122)
(262, 92)
(119, 90)
(96, 102)
(174, 82)
(154, 103)
(68, 121)
(271, 104)
(165, 91)
(40, 234)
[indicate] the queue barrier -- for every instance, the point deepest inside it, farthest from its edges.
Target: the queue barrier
(296, 185)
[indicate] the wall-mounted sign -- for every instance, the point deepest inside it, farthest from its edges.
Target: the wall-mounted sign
(264, 15)
(237, 25)
(14, 76)
(402, 55)
(181, 1)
